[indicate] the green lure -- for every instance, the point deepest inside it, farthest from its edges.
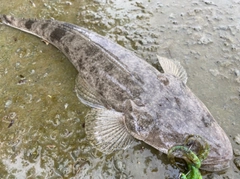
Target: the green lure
(192, 159)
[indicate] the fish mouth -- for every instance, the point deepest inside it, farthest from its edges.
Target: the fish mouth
(216, 165)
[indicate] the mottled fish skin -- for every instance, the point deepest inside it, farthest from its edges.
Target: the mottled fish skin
(159, 109)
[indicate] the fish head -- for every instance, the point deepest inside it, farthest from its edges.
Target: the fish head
(182, 115)
(177, 115)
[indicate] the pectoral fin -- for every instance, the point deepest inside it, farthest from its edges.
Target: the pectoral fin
(105, 129)
(173, 67)
(86, 93)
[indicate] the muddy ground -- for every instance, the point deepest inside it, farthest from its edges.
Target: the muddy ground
(41, 120)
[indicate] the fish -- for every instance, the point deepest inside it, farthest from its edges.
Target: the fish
(129, 98)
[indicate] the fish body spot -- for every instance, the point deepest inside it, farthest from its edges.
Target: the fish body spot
(164, 80)
(45, 25)
(109, 67)
(177, 100)
(29, 23)
(57, 34)
(91, 50)
(66, 49)
(207, 120)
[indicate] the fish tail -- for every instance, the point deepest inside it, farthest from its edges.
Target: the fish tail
(39, 28)
(18, 23)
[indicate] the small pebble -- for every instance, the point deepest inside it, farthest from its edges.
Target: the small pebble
(214, 72)
(118, 164)
(208, 2)
(237, 162)
(237, 72)
(68, 3)
(8, 103)
(66, 105)
(172, 16)
(204, 41)
(236, 152)
(237, 139)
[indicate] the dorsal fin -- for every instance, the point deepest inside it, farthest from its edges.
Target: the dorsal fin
(173, 67)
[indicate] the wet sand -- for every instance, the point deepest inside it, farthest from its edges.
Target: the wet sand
(42, 122)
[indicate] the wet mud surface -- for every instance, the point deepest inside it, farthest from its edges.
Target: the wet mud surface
(41, 120)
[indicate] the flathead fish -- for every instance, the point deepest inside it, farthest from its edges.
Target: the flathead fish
(129, 97)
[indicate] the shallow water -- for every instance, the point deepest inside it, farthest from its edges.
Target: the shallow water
(42, 122)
